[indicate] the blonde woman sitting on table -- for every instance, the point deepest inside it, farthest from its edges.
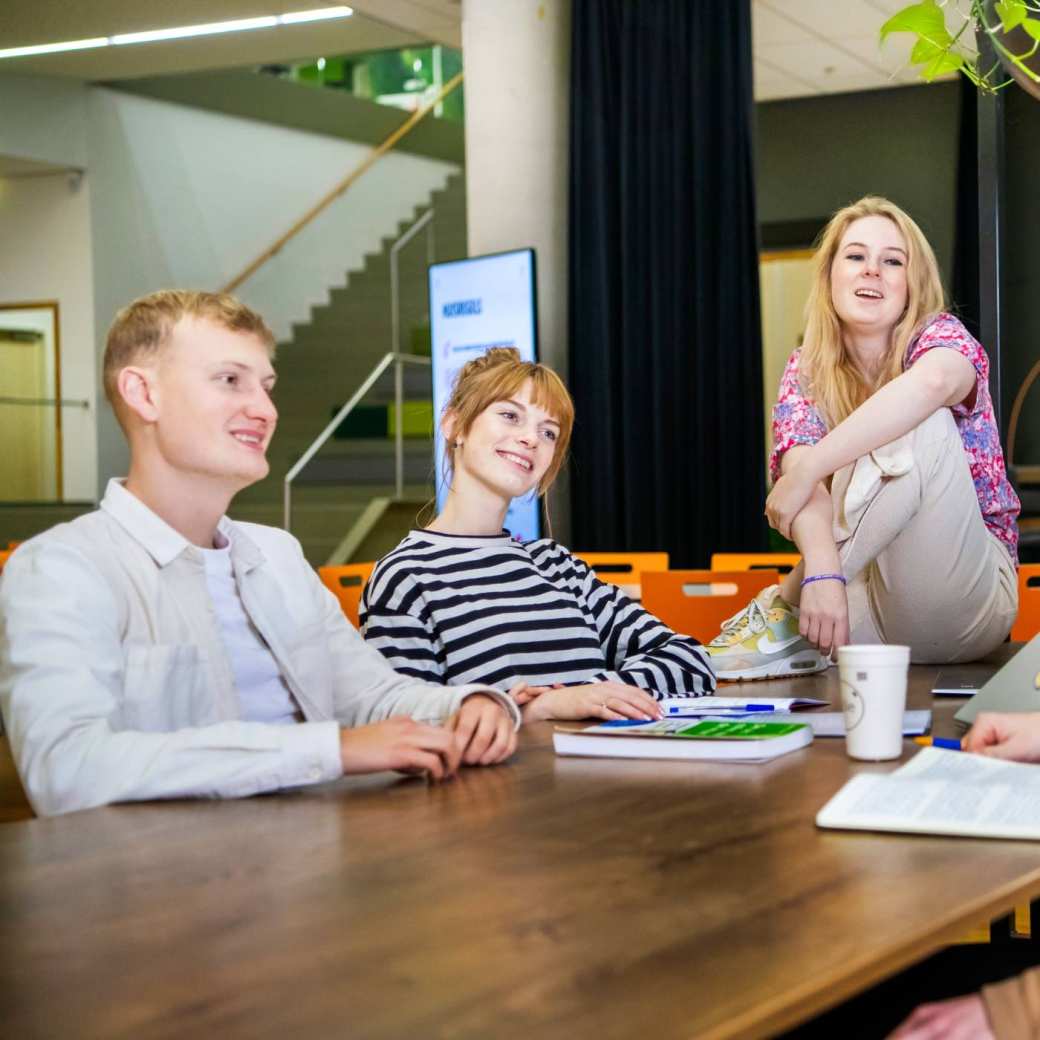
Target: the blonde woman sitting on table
(888, 470)
(463, 598)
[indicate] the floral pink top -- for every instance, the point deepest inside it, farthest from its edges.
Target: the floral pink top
(796, 421)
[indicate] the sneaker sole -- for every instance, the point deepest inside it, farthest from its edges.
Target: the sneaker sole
(805, 662)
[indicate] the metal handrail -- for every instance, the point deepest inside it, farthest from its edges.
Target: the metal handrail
(425, 221)
(64, 402)
(326, 200)
(394, 358)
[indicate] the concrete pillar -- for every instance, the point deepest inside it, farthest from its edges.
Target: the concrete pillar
(516, 55)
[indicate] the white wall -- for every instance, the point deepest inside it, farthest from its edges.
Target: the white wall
(46, 255)
(187, 198)
(43, 119)
(207, 193)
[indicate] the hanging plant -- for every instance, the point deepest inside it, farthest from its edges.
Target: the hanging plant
(1013, 26)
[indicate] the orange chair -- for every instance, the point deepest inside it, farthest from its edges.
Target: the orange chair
(1027, 624)
(696, 603)
(783, 562)
(4, 553)
(624, 569)
(346, 583)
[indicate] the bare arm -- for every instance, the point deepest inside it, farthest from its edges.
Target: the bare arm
(812, 529)
(824, 606)
(941, 378)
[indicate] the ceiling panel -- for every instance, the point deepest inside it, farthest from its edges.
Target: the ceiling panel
(825, 46)
(436, 20)
(796, 40)
(829, 19)
(769, 28)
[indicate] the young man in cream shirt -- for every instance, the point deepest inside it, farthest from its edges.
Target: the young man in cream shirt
(156, 649)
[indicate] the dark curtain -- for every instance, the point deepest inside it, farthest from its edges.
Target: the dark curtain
(665, 340)
(964, 283)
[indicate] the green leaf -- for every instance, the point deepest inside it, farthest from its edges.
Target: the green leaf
(925, 19)
(1031, 26)
(1011, 13)
(948, 61)
(924, 50)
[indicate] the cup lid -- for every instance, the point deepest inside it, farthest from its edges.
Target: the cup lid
(875, 654)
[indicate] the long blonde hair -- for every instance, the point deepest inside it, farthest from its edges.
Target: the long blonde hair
(829, 374)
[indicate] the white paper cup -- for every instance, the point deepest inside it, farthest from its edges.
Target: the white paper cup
(873, 697)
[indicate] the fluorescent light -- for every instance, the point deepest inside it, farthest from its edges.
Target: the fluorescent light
(54, 48)
(184, 31)
(295, 17)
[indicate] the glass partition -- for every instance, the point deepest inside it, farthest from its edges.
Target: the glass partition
(406, 78)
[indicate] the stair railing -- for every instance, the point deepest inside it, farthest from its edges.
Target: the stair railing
(398, 360)
(425, 221)
(326, 200)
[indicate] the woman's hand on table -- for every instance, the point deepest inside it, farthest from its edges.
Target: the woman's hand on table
(600, 700)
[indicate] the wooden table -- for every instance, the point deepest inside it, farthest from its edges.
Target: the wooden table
(545, 898)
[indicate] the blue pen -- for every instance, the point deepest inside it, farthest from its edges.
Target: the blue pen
(940, 742)
(741, 708)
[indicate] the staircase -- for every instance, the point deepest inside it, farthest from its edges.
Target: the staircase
(321, 366)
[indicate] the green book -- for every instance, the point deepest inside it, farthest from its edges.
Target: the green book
(680, 738)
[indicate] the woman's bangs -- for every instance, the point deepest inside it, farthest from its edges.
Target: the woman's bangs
(551, 396)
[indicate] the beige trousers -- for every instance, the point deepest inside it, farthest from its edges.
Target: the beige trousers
(923, 569)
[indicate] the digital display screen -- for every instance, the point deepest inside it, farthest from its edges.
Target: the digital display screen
(475, 304)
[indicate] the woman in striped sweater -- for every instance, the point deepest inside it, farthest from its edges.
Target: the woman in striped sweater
(462, 601)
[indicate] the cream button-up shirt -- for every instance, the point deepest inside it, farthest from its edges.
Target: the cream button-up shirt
(115, 684)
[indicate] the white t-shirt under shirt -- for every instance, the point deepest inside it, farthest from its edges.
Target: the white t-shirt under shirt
(262, 692)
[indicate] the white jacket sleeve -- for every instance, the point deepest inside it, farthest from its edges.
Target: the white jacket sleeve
(367, 687)
(62, 663)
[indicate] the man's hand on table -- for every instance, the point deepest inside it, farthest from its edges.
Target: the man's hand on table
(400, 743)
(484, 732)
(480, 733)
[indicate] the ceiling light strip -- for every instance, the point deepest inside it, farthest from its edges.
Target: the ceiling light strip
(319, 15)
(183, 32)
(53, 48)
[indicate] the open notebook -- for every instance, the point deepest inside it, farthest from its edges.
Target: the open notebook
(942, 792)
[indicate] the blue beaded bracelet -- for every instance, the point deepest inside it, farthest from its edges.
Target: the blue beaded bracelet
(824, 577)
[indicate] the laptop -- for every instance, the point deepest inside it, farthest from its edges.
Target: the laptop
(1014, 688)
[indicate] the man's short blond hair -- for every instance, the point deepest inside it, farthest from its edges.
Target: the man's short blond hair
(141, 330)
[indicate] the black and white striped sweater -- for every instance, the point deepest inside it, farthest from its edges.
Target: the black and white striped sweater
(461, 609)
